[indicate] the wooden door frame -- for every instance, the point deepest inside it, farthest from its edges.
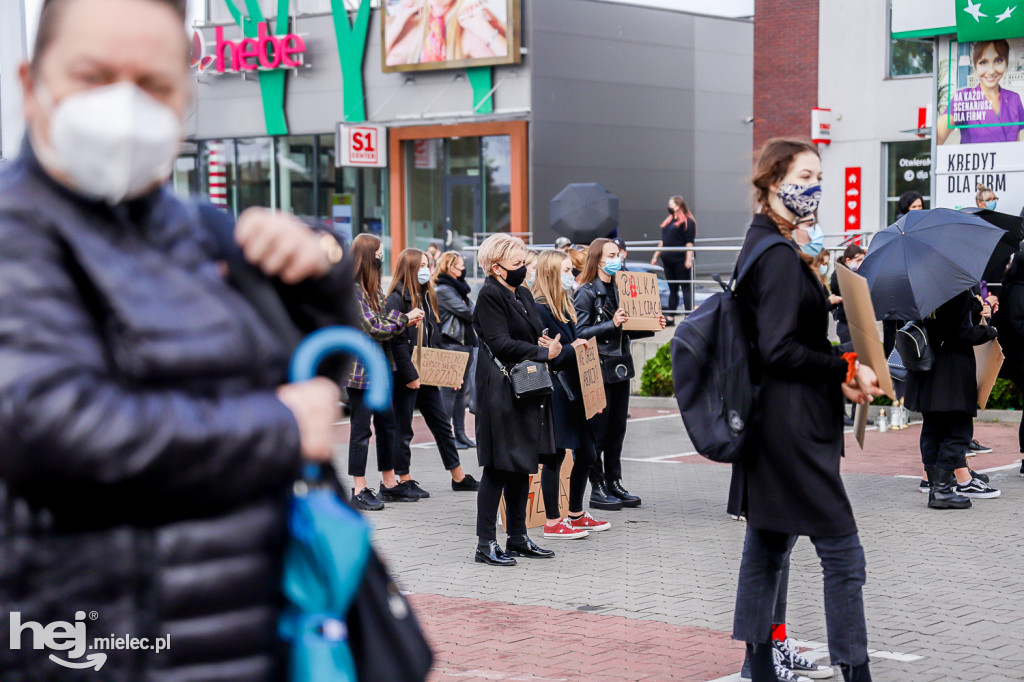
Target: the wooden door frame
(519, 199)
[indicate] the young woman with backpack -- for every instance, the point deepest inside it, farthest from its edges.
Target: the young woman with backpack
(787, 481)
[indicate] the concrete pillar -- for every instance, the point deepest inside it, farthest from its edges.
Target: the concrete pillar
(13, 49)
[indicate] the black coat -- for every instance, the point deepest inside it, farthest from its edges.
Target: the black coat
(951, 385)
(456, 313)
(788, 479)
(404, 345)
(1010, 323)
(569, 415)
(510, 433)
(146, 458)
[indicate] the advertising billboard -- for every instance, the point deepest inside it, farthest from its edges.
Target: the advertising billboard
(980, 122)
(422, 35)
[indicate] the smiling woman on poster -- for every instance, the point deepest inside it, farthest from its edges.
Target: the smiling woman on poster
(986, 112)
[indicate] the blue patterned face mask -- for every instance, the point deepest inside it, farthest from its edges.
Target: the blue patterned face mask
(802, 200)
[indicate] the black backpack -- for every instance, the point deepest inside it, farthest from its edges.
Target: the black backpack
(711, 369)
(913, 347)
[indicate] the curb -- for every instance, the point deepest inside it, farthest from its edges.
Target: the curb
(987, 416)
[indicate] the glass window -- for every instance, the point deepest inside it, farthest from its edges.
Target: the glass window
(296, 165)
(426, 192)
(498, 183)
(908, 167)
(354, 198)
(910, 57)
(185, 177)
(256, 181)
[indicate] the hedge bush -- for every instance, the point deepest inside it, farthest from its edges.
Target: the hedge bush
(656, 380)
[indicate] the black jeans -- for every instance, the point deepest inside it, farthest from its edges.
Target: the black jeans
(675, 270)
(945, 437)
(1018, 380)
(428, 400)
(359, 438)
(609, 432)
(516, 487)
(844, 566)
(583, 460)
(455, 402)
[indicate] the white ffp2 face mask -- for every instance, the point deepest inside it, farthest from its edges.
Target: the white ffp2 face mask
(114, 142)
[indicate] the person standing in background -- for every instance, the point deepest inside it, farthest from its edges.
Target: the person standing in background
(456, 313)
(623, 253)
(678, 229)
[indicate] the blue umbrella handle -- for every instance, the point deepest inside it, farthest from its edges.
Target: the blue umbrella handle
(330, 340)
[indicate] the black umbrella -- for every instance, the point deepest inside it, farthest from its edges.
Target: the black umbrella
(925, 259)
(584, 212)
(1007, 246)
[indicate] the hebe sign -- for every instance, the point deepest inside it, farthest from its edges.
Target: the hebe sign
(362, 145)
(266, 52)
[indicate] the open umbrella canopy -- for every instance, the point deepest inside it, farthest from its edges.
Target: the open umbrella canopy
(925, 259)
(1007, 246)
(584, 212)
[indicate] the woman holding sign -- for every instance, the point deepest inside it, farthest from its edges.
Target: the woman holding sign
(410, 289)
(552, 291)
(601, 316)
(511, 433)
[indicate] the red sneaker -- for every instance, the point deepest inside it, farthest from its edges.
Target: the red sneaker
(564, 531)
(588, 522)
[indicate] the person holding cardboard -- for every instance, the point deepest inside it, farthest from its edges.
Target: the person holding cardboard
(410, 289)
(456, 312)
(552, 291)
(787, 481)
(600, 316)
(511, 432)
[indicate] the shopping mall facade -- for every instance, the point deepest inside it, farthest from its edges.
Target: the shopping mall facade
(648, 102)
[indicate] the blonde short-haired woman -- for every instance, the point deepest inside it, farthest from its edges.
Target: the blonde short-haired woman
(511, 433)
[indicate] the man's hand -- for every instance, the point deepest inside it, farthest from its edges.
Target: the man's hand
(282, 246)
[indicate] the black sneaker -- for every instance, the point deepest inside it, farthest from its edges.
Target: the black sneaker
(399, 493)
(1021, 472)
(366, 500)
(467, 484)
(981, 477)
(798, 664)
(976, 489)
(782, 671)
(414, 486)
(924, 486)
(978, 449)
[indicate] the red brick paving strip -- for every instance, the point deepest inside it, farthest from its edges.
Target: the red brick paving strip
(485, 640)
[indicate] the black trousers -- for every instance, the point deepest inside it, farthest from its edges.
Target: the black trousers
(583, 460)
(675, 270)
(455, 401)
(431, 406)
(845, 569)
(945, 437)
(1018, 380)
(359, 438)
(609, 432)
(516, 487)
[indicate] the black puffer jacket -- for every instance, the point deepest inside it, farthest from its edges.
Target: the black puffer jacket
(145, 458)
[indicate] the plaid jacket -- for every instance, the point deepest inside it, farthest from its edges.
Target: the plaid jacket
(379, 325)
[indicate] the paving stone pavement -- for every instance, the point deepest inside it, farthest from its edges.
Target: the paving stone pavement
(945, 586)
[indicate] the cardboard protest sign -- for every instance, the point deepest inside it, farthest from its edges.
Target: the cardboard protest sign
(436, 367)
(535, 512)
(860, 424)
(591, 379)
(990, 361)
(639, 297)
(860, 315)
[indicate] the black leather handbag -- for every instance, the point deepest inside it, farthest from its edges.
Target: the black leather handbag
(529, 379)
(915, 351)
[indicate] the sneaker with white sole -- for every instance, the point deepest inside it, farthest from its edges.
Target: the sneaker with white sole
(589, 523)
(978, 449)
(1021, 467)
(563, 530)
(924, 486)
(782, 671)
(799, 664)
(977, 489)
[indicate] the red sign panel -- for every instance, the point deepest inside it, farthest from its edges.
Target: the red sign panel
(851, 210)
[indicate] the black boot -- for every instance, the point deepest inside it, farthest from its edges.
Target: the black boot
(856, 673)
(601, 499)
(490, 553)
(522, 545)
(461, 437)
(628, 499)
(942, 495)
(762, 662)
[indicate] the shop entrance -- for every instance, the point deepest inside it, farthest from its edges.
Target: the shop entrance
(462, 205)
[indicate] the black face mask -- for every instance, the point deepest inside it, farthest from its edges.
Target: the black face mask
(514, 277)
(380, 262)
(670, 211)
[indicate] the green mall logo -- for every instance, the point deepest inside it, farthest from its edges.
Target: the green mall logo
(978, 20)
